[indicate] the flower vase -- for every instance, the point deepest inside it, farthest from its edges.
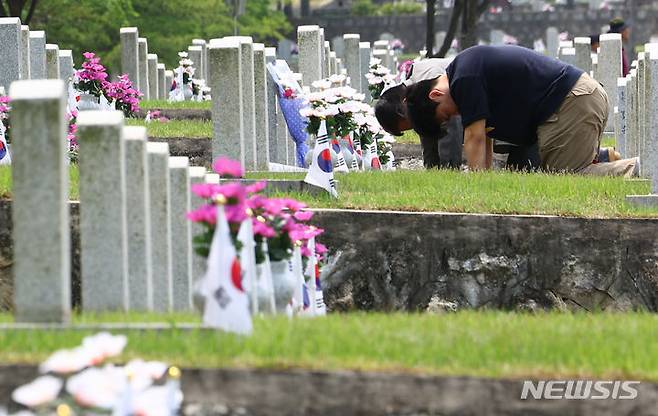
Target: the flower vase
(88, 102)
(264, 291)
(283, 281)
(187, 91)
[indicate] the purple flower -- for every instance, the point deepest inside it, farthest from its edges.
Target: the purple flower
(303, 215)
(257, 187)
(204, 190)
(262, 229)
(206, 213)
(228, 168)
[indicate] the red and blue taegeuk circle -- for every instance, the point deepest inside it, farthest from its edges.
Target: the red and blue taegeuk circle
(324, 161)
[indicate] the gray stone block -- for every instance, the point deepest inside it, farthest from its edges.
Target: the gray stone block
(352, 60)
(103, 242)
(622, 127)
(583, 46)
(364, 51)
(326, 66)
(52, 61)
(646, 201)
(552, 41)
(152, 63)
(261, 93)
(310, 55)
(197, 176)
(226, 75)
(140, 280)
(609, 68)
(181, 233)
(37, 54)
(10, 52)
(40, 209)
(162, 88)
(142, 55)
(195, 53)
(248, 102)
(160, 211)
(25, 52)
(204, 57)
(66, 69)
(130, 53)
(272, 110)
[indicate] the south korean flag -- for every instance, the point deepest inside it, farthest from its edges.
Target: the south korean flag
(321, 171)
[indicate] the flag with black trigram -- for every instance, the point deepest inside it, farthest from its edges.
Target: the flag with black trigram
(337, 156)
(321, 171)
(370, 157)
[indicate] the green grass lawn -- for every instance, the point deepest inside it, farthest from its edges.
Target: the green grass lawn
(182, 105)
(451, 191)
(175, 128)
(483, 192)
(497, 344)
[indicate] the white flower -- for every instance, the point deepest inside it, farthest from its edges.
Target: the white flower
(337, 79)
(182, 54)
(68, 361)
(375, 61)
(375, 80)
(345, 92)
(157, 401)
(105, 345)
(359, 97)
(39, 392)
(349, 107)
(332, 99)
(321, 84)
(95, 387)
(306, 112)
(331, 110)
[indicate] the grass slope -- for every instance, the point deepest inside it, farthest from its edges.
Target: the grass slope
(175, 128)
(181, 105)
(496, 344)
(450, 191)
(484, 192)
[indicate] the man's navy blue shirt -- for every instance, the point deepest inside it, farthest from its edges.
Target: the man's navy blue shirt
(515, 89)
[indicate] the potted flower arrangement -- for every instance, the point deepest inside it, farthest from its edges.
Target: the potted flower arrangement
(125, 96)
(89, 81)
(378, 76)
(184, 87)
(278, 224)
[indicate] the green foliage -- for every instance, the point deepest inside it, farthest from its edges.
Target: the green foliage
(364, 8)
(395, 9)
(169, 25)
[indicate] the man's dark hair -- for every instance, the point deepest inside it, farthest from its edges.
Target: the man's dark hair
(422, 111)
(594, 38)
(390, 109)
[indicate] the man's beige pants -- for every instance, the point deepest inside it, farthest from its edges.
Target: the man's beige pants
(569, 139)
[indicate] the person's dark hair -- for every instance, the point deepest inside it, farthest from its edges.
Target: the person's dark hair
(617, 25)
(390, 109)
(422, 111)
(594, 38)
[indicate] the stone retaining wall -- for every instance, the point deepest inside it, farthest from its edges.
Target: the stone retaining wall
(338, 393)
(411, 261)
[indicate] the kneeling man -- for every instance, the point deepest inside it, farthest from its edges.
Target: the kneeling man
(522, 97)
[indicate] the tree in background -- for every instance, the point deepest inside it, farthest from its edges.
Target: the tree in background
(469, 12)
(169, 25)
(18, 8)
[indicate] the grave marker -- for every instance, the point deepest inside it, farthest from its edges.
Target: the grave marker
(103, 241)
(130, 54)
(10, 51)
(353, 59)
(52, 61)
(138, 216)
(25, 52)
(37, 54)
(225, 72)
(142, 53)
(261, 93)
(160, 212)
(181, 241)
(152, 62)
(40, 202)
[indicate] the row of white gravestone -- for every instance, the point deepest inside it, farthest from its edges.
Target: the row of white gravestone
(145, 71)
(636, 118)
(136, 243)
(24, 54)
